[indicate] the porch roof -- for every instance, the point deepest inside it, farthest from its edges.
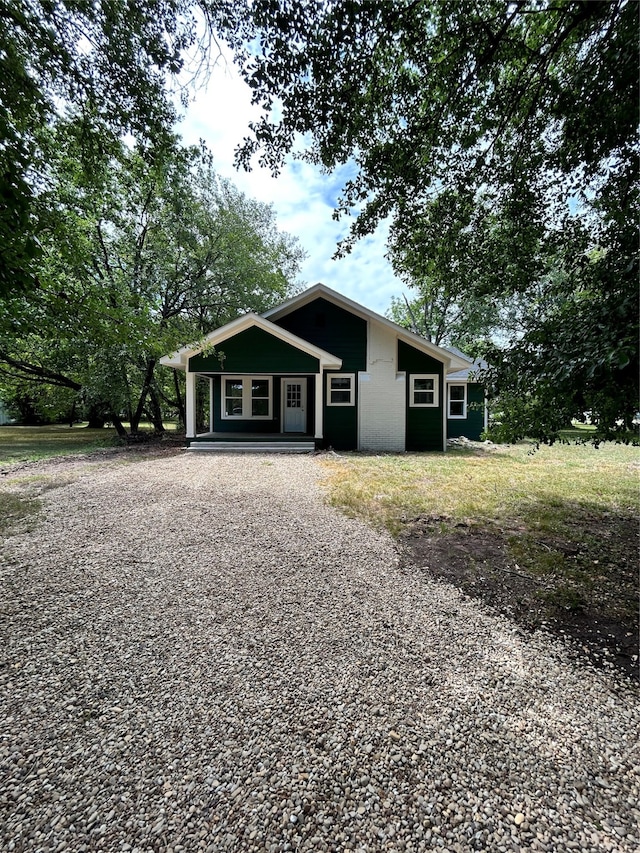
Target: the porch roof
(180, 359)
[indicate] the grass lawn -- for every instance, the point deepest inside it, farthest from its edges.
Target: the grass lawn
(549, 536)
(28, 444)
(540, 488)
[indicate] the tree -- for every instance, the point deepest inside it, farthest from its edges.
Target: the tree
(576, 354)
(157, 255)
(443, 309)
(523, 111)
(445, 320)
(111, 62)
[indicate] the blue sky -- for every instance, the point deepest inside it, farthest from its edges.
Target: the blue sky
(303, 198)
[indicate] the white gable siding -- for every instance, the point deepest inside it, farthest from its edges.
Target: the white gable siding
(381, 394)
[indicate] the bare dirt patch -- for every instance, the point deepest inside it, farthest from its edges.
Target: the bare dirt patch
(588, 593)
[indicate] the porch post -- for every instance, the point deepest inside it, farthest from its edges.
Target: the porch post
(211, 404)
(190, 405)
(319, 413)
(445, 407)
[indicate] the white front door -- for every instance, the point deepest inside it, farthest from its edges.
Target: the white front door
(294, 404)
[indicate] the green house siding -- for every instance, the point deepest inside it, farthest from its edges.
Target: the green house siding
(254, 351)
(344, 335)
(424, 429)
(340, 422)
(332, 329)
(424, 425)
(274, 424)
(473, 425)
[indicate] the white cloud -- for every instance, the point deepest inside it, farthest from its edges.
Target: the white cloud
(301, 195)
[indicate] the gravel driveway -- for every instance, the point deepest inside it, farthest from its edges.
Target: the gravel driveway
(198, 654)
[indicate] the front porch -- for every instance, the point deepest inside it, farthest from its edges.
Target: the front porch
(253, 385)
(256, 408)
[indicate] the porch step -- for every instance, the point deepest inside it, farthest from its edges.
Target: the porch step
(252, 446)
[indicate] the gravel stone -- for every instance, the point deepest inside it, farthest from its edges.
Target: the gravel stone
(197, 653)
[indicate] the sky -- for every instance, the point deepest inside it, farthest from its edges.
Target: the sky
(302, 197)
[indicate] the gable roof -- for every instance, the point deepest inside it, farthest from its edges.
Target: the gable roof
(451, 360)
(459, 353)
(468, 374)
(180, 359)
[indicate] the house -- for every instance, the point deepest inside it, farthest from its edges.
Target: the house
(322, 371)
(467, 412)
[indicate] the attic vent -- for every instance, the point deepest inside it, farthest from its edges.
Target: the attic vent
(320, 319)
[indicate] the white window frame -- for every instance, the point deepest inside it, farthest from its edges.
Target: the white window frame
(246, 398)
(412, 391)
(463, 401)
(352, 388)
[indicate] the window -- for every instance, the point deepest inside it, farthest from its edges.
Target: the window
(341, 389)
(423, 389)
(233, 398)
(457, 401)
(260, 398)
(246, 397)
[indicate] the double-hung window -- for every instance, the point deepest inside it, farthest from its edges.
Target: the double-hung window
(341, 389)
(457, 401)
(246, 397)
(423, 390)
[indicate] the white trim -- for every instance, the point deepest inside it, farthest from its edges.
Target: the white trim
(302, 380)
(463, 416)
(180, 359)
(435, 390)
(445, 430)
(190, 405)
(246, 398)
(319, 409)
(449, 359)
(352, 388)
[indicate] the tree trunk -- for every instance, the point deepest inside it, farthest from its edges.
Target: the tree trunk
(122, 433)
(97, 417)
(37, 372)
(146, 385)
(27, 411)
(155, 412)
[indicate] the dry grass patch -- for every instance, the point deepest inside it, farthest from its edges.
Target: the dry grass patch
(20, 501)
(479, 485)
(16, 509)
(549, 536)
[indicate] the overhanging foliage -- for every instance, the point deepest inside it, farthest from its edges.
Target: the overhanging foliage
(523, 112)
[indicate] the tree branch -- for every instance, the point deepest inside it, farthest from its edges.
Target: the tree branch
(37, 373)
